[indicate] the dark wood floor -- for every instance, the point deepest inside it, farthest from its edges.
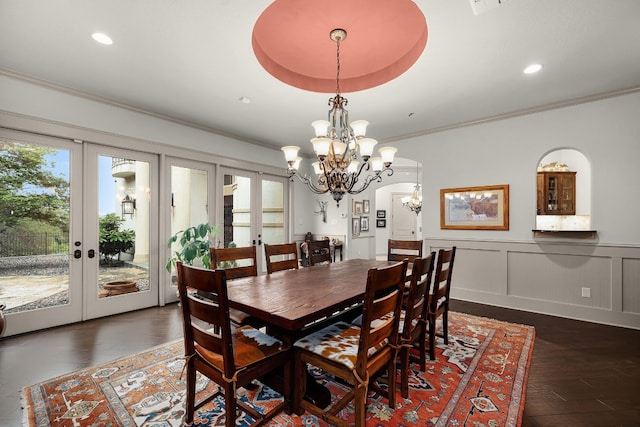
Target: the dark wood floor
(582, 374)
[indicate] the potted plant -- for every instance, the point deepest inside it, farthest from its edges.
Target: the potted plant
(112, 240)
(193, 246)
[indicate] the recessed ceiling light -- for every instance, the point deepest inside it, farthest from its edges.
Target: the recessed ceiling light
(533, 68)
(102, 38)
(244, 100)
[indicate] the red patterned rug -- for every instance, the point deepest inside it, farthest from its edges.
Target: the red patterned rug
(478, 379)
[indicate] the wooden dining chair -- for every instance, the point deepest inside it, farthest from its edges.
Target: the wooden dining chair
(439, 298)
(319, 251)
(397, 250)
(281, 257)
(232, 358)
(413, 324)
(356, 354)
(237, 262)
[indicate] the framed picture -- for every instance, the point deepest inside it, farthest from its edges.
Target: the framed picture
(365, 206)
(364, 223)
(357, 208)
(381, 223)
(355, 226)
(475, 208)
(381, 214)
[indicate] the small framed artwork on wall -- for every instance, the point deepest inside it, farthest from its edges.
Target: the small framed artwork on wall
(381, 223)
(381, 214)
(365, 206)
(364, 223)
(355, 226)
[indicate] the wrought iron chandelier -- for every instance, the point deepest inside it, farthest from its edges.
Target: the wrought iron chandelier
(336, 145)
(414, 203)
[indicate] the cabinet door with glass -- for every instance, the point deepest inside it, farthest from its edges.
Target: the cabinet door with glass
(556, 193)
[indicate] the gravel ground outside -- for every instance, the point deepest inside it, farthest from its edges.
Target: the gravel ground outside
(22, 274)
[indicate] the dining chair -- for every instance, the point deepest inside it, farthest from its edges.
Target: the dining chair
(397, 250)
(413, 323)
(237, 262)
(285, 254)
(319, 251)
(356, 354)
(232, 358)
(439, 298)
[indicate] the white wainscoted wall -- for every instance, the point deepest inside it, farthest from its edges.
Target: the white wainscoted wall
(549, 278)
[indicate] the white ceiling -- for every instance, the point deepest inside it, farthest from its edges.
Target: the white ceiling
(192, 60)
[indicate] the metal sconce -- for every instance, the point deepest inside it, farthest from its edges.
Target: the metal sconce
(128, 206)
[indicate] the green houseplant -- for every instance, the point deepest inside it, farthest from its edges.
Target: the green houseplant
(112, 240)
(193, 245)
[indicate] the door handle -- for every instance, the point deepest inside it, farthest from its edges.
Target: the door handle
(77, 253)
(91, 253)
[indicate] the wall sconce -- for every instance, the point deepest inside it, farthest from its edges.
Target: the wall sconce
(128, 206)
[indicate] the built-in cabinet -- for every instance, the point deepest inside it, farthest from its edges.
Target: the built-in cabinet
(556, 193)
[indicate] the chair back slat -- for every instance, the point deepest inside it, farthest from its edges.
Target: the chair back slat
(442, 280)
(381, 310)
(397, 250)
(285, 254)
(197, 310)
(319, 251)
(231, 260)
(419, 289)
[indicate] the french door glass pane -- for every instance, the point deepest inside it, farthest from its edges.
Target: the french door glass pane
(34, 226)
(123, 206)
(272, 214)
(189, 202)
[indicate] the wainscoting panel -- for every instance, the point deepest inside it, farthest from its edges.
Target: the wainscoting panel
(586, 281)
(631, 285)
(560, 278)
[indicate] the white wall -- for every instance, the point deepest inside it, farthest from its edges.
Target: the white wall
(607, 132)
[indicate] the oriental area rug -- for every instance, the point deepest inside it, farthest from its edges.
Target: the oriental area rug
(478, 379)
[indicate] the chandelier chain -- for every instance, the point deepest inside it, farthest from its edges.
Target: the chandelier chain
(338, 66)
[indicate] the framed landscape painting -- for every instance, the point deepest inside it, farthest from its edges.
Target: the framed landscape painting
(475, 208)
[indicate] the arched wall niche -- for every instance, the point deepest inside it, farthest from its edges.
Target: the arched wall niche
(578, 162)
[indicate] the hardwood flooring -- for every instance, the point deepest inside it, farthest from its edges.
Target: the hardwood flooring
(582, 374)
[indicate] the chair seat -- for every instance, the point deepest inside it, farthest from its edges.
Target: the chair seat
(238, 317)
(250, 346)
(358, 321)
(337, 342)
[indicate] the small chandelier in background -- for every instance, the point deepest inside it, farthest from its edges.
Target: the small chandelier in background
(336, 145)
(414, 203)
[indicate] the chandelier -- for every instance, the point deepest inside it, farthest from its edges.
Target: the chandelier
(414, 203)
(336, 145)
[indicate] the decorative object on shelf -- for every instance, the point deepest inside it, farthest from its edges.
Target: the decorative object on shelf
(414, 203)
(381, 214)
(553, 167)
(364, 223)
(381, 223)
(475, 208)
(336, 145)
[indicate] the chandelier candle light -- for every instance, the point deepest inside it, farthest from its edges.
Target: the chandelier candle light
(336, 145)
(414, 203)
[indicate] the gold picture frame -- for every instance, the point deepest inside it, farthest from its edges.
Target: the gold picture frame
(475, 208)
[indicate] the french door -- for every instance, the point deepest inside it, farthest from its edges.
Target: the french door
(120, 223)
(76, 231)
(191, 194)
(254, 210)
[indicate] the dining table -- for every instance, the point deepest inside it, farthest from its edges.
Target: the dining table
(293, 303)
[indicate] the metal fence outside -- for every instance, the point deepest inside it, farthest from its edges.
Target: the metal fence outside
(25, 244)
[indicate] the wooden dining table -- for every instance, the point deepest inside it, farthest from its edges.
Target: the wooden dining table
(292, 303)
